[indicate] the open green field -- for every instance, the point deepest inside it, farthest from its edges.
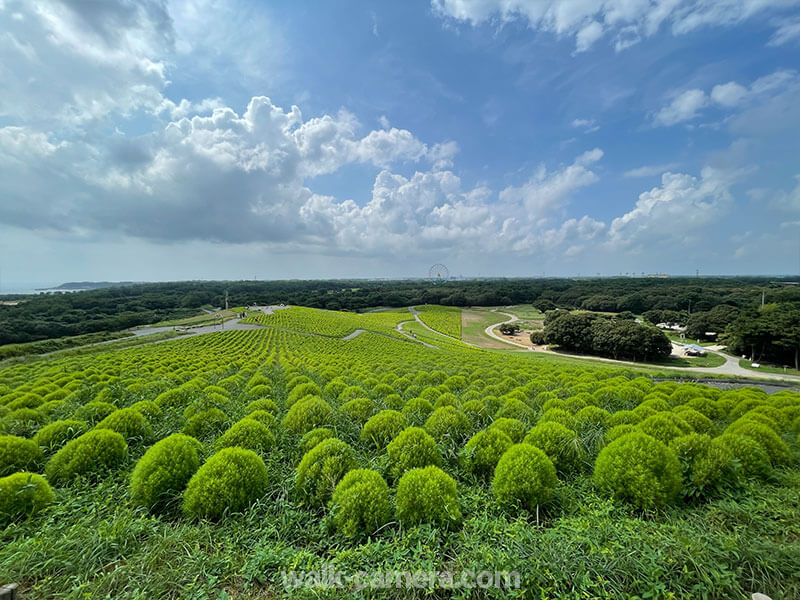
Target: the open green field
(218, 465)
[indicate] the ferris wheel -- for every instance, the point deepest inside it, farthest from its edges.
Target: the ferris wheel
(438, 274)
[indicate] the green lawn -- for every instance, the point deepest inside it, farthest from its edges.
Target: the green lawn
(676, 337)
(744, 363)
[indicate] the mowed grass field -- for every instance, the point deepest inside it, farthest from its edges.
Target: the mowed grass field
(215, 465)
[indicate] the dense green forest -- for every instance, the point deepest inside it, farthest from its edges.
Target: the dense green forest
(688, 301)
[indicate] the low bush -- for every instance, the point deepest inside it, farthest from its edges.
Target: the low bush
(417, 410)
(383, 428)
(360, 504)
(561, 445)
(749, 454)
(483, 450)
(163, 472)
(359, 410)
(93, 412)
(248, 434)
(52, 437)
(764, 436)
(427, 495)
(664, 426)
(448, 424)
(230, 481)
(524, 477)
(706, 464)
(22, 495)
(93, 453)
(263, 404)
(23, 422)
(412, 448)
(314, 437)
(639, 469)
(18, 454)
(513, 428)
(206, 423)
(129, 423)
(321, 469)
(307, 414)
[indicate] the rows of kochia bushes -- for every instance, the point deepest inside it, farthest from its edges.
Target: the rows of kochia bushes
(375, 437)
(444, 319)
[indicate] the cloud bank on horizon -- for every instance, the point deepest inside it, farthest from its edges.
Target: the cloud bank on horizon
(199, 138)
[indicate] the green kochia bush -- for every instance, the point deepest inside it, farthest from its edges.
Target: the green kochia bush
(639, 469)
(94, 412)
(229, 481)
(23, 494)
(314, 437)
(706, 464)
(448, 423)
(204, 423)
(411, 449)
(427, 495)
(90, 454)
(750, 455)
(524, 477)
(360, 503)
(23, 422)
(513, 428)
(766, 437)
(53, 436)
(250, 434)
(560, 444)
(163, 472)
(664, 426)
(129, 423)
(383, 428)
(417, 410)
(18, 454)
(308, 414)
(263, 404)
(483, 450)
(321, 469)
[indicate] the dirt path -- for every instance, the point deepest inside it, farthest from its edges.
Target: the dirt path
(416, 314)
(490, 330)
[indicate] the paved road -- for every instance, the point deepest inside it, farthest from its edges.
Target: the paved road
(416, 314)
(731, 366)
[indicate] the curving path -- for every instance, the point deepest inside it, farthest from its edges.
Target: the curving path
(731, 366)
(416, 314)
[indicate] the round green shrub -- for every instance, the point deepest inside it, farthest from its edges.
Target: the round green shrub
(483, 450)
(664, 426)
(206, 402)
(558, 415)
(148, 409)
(764, 436)
(92, 453)
(524, 477)
(561, 445)
(22, 495)
(321, 469)
(25, 401)
(513, 428)
(427, 495)
(754, 417)
(514, 408)
(93, 412)
(258, 392)
(307, 414)
(162, 473)
(383, 428)
(705, 464)
(23, 422)
(248, 434)
(417, 410)
(447, 399)
(696, 420)
(749, 454)
(618, 431)
(205, 423)
(228, 482)
(359, 410)
(265, 418)
(448, 424)
(314, 437)
(299, 392)
(591, 417)
(477, 412)
(52, 437)
(263, 404)
(129, 423)
(360, 504)
(18, 454)
(639, 469)
(412, 448)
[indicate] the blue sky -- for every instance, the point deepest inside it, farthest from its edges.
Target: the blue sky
(219, 139)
